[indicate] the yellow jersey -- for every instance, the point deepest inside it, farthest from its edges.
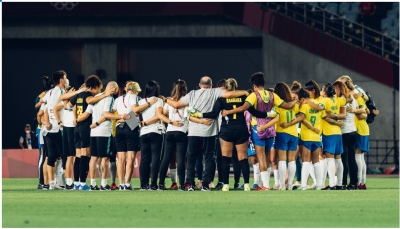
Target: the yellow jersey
(332, 104)
(252, 98)
(287, 116)
(314, 117)
(361, 124)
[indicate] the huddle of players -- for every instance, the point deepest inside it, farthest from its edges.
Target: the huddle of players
(86, 127)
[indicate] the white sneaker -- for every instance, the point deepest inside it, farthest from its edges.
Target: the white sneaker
(290, 187)
(246, 187)
(211, 185)
(56, 186)
(276, 187)
(282, 188)
(199, 184)
(225, 188)
(311, 187)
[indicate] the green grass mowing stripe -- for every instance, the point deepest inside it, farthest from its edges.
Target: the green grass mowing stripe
(24, 206)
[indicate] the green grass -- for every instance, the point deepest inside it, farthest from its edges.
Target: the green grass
(24, 206)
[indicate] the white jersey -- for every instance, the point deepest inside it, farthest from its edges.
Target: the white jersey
(177, 115)
(97, 110)
(150, 112)
(349, 122)
(123, 104)
(43, 129)
(51, 99)
(68, 117)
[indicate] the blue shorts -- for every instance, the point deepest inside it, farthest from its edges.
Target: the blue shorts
(362, 143)
(312, 146)
(332, 144)
(261, 142)
(284, 141)
(251, 151)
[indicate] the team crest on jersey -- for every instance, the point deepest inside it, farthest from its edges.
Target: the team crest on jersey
(266, 99)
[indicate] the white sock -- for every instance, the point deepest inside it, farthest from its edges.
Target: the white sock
(256, 173)
(264, 179)
(282, 172)
(69, 181)
(291, 172)
(173, 175)
(305, 170)
(339, 171)
(83, 183)
(52, 182)
(331, 171)
(128, 185)
(276, 177)
(364, 171)
(318, 173)
(76, 182)
(312, 173)
(360, 166)
(93, 182)
(103, 182)
(268, 176)
(59, 172)
(324, 170)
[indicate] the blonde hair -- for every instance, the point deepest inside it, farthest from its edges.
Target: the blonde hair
(231, 84)
(132, 86)
(347, 81)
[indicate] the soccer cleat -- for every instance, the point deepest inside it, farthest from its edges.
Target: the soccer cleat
(199, 184)
(181, 188)
(39, 186)
(329, 188)
(241, 187)
(281, 188)
(211, 185)
(340, 187)
(190, 188)
(174, 186)
(256, 187)
(153, 188)
(276, 187)
(246, 187)
(364, 187)
(225, 188)
(58, 187)
(143, 188)
(162, 187)
(290, 187)
(105, 188)
(311, 187)
(69, 187)
(187, 185)
(62, 187)
(317, 188)
(263, 188)
(94, 188)
(128, 188)
(302, 188)
(121, 187)
(205, 189)
(113, 186)
(219, 186)
(85, 187)
(77, 186)
(45, 187)
(236, 186)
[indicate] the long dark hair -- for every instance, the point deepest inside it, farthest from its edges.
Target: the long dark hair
(342, 88)
(303, 94)
(329, 90)
(312, 85)
(152, 89)
(283, 90)
(179, 90)
(295, 87)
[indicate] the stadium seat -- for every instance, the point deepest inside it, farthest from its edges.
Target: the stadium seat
(354, 7)
(392, 14)
(351, 16)
(386, 23)
(344, 8)
(332, 8)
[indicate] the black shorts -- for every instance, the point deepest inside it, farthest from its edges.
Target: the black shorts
(69, 142)
(82, 140)
(54, 145)
(113, 151)
(127, 139)
(237, 136)
(100, 146)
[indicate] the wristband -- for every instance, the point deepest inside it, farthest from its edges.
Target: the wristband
(59, 122)
(149, 104)
(144, 123)
(170, 122)
(97, 124)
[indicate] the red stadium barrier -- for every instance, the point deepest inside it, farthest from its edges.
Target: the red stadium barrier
(19, 163)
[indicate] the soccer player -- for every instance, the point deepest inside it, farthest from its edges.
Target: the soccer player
(202, 137)
(176, 135)
(261, 97)
(332, 145)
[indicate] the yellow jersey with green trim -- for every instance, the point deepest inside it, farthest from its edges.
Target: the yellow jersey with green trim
(332, 104)
(252, 98)
(314, 117)
(361, 124)
(287, 116)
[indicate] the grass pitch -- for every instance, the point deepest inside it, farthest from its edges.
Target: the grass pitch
(24, 206)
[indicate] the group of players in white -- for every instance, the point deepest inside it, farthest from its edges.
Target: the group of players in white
(272, 127)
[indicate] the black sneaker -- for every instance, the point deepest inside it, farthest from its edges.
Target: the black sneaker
(94, 188)
(206, 189)
(105, 188)
(219, 186)
(340, 187)
(39, 186)
(181, 188)
(69, 187)
(45, 187)
(153, 188)
(236, 186)
(351, 187)
(143, 188)
(329, 188)
(191, 188)
(162, 187)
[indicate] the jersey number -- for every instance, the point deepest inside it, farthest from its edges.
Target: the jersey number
(289, 116)
(234, 115)
(312, 120)
(79, 111)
